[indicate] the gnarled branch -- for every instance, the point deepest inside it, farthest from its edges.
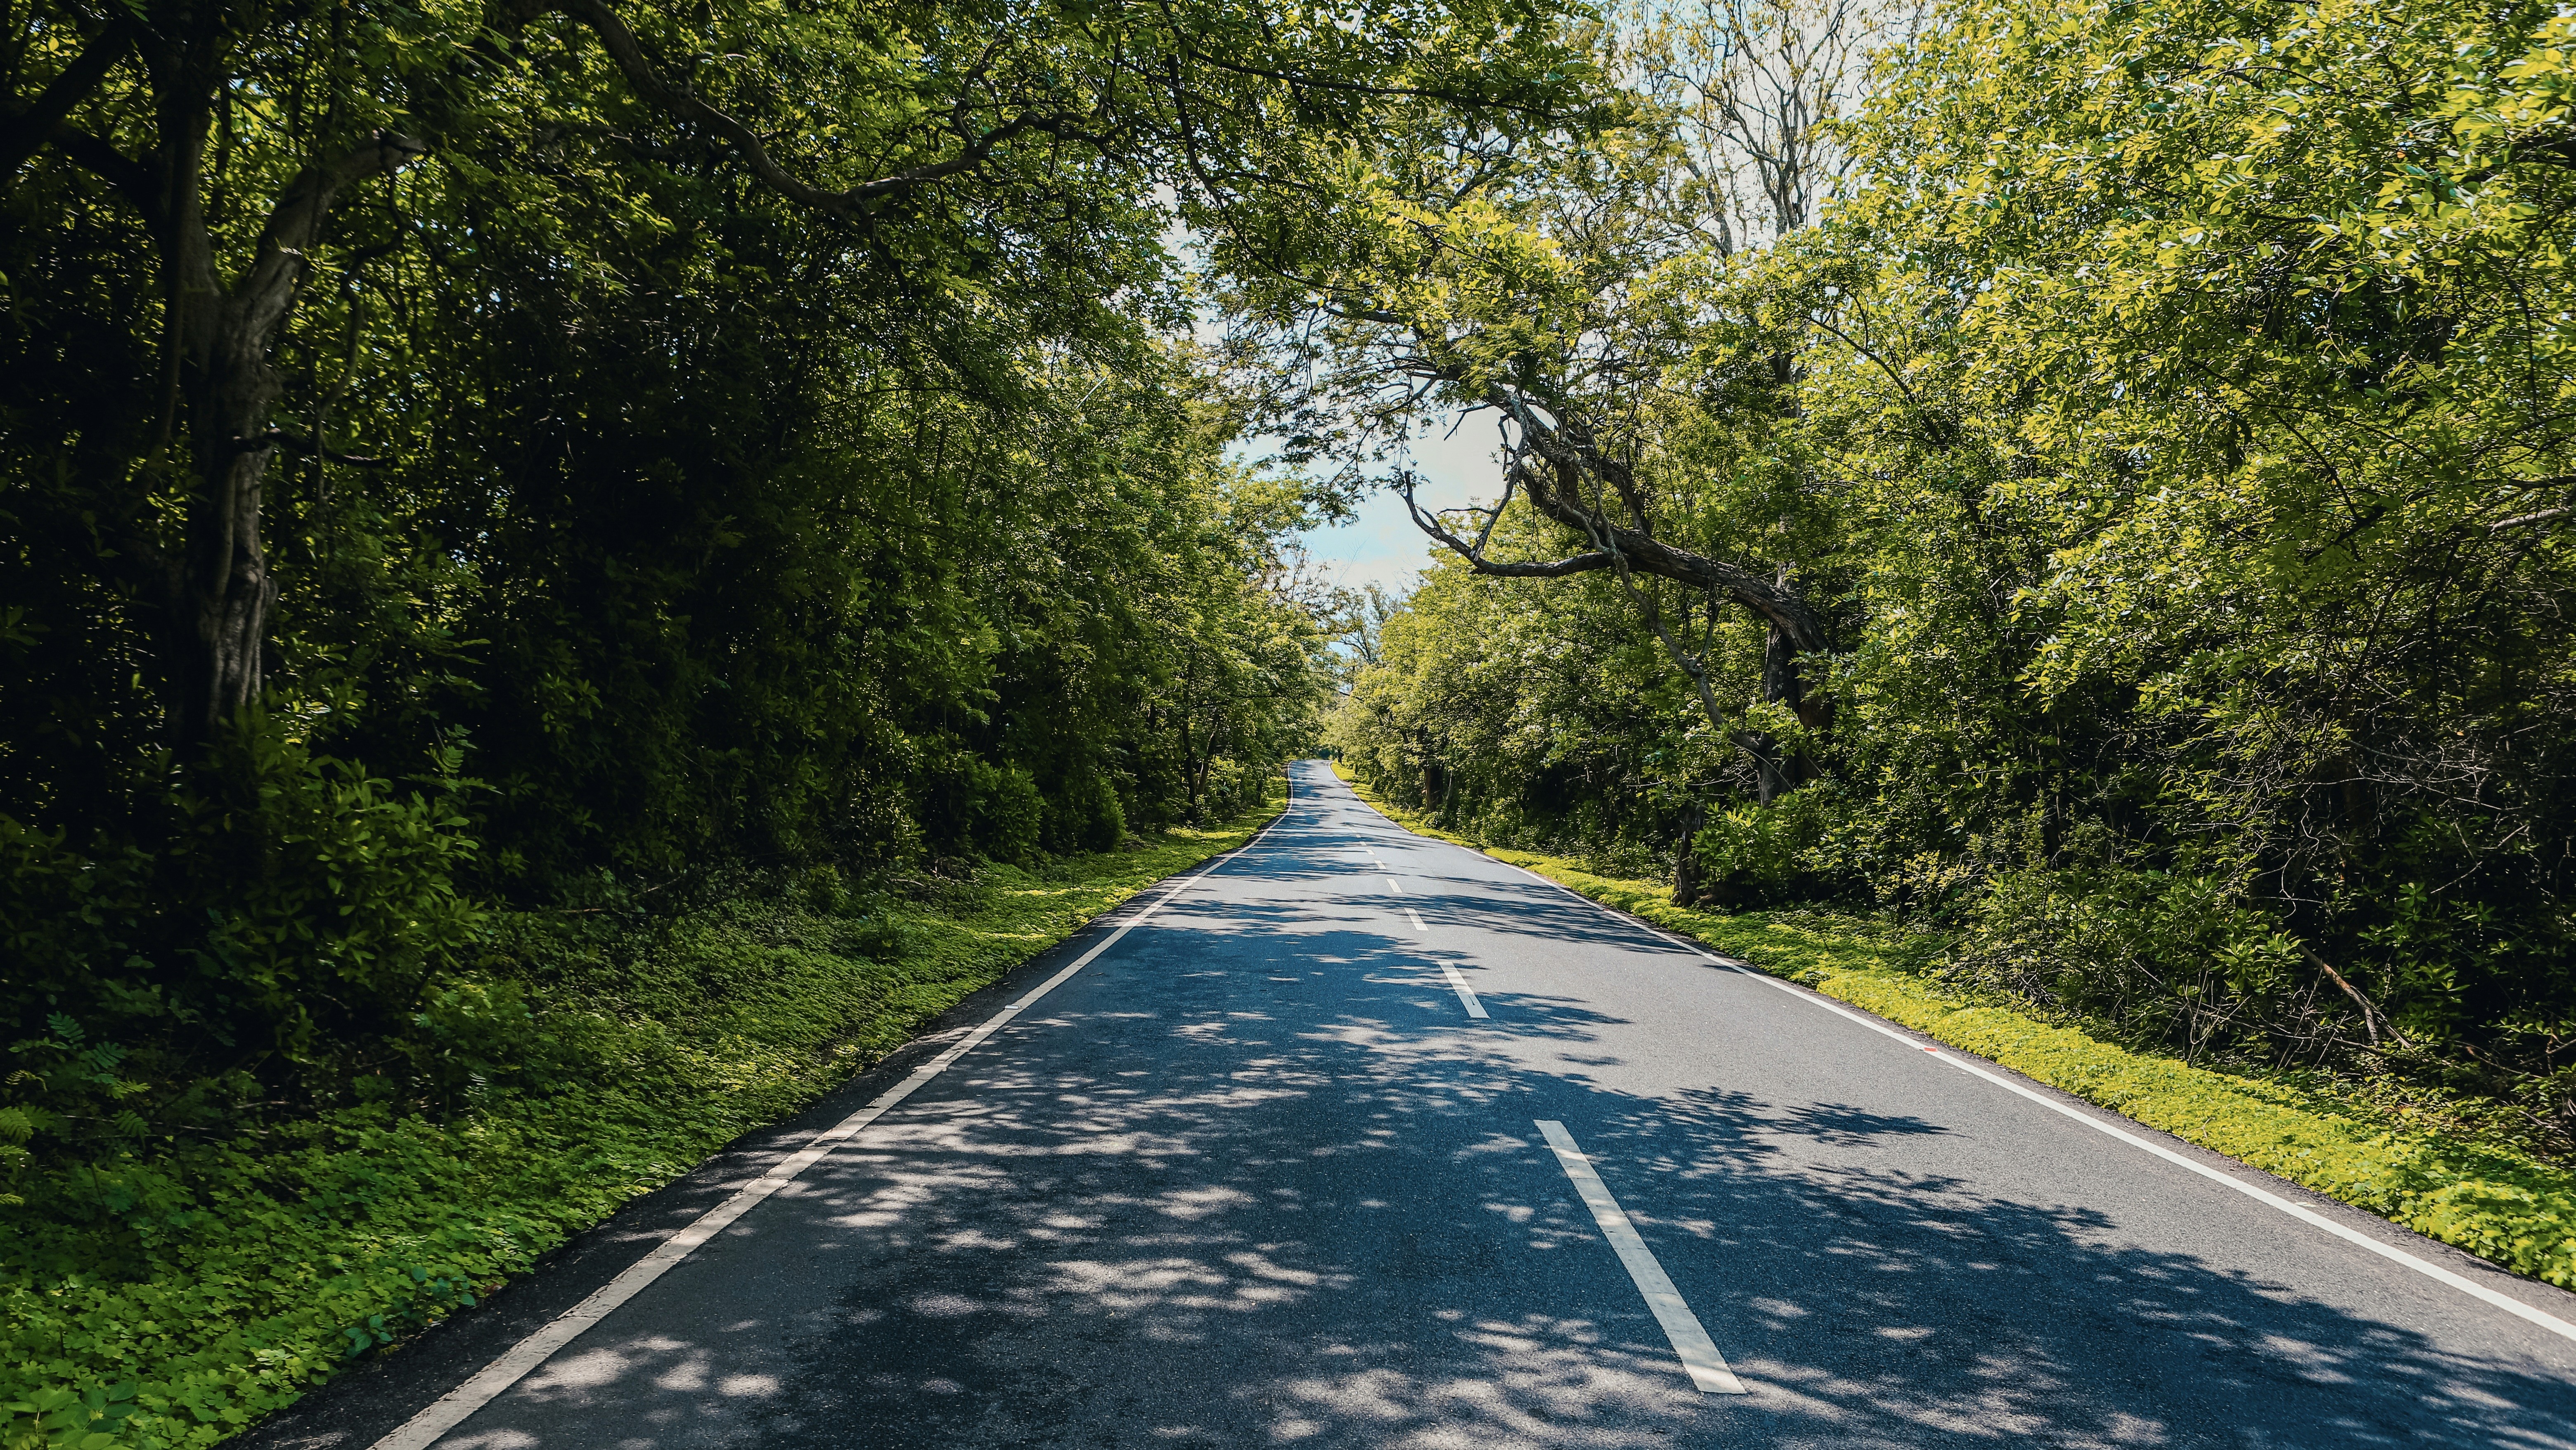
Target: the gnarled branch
(1572, 454)
(1432, 523)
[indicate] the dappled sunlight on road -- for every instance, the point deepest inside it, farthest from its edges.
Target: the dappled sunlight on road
(1256, 1180)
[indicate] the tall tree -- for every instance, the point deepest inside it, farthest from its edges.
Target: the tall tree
(237, 135)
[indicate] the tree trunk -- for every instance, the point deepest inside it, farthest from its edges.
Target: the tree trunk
(215, 588)
(1208, 759)
(221, 590)
(1189, 777)
(1688, 887)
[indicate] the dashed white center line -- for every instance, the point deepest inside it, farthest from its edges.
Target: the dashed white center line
(1395, 886)
(1417, 919)
(1466, 994)
(1698, 1352)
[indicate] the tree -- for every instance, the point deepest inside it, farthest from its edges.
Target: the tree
(235, 136)
(1535, 279)
(2170, 421)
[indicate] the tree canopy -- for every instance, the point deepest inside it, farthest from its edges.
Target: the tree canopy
(2166, 427)
(453, 452)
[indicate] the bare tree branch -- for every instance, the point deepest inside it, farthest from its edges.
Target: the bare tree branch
(1430, 522)
(2542, 517)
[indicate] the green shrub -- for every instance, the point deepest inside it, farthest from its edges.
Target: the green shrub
(1008, 811)
(2156, 957)
(1756, 855)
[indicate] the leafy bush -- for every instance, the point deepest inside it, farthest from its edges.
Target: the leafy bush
(2156, 956)
(1757, 855)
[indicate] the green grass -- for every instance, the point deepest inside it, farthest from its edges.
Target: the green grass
(2504, 1206)
(173, 1297)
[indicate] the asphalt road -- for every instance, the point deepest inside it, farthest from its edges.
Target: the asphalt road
(1255, 1176)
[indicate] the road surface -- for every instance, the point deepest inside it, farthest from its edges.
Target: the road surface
(1256, 1176)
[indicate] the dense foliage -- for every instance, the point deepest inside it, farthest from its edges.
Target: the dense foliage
(2169, 425)
(463, 460)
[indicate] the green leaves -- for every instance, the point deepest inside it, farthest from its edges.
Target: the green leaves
(2174, 420)
(57, 1418)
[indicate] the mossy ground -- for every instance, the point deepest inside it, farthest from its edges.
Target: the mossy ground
(201, 1286)
(2505, 1206)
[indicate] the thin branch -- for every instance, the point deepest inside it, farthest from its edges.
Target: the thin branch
(1430, 523)
(303, 448)
(2542, 517)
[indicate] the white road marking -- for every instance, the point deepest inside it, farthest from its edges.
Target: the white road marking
(1395, 886)
(1466, 994)
(452, 1408)
(1691, 1342)
(1621, 917)
(1417, 919)
(2390, 1252)
(2301, 1212)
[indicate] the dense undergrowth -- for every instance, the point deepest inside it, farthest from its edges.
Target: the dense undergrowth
(169, 1294)
(2449, 1168)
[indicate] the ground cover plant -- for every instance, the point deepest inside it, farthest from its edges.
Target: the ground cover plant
(2425, 1164)
(175, 1291)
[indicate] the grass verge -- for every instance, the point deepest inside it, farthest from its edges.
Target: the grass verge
(185, 1291)
(2508, 1208)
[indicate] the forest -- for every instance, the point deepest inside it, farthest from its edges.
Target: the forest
(519, 520)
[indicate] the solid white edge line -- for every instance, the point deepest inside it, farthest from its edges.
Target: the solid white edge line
(1621, 917)
(1697, 1352)
(1466, 994)
(2301, 1212)
(515, 1363)
(2471, 1287)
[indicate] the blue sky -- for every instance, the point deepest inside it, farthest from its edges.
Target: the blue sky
(1382, 546)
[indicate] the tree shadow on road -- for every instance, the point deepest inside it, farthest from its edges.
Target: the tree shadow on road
(1251, 1181)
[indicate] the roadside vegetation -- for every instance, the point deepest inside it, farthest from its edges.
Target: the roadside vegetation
(181, 1289)
(2458, 1169)
(544, 550)
(2101, 499)
(515, 516)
